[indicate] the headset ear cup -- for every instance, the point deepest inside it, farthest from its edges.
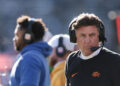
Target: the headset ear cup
(72, 36)
(28, 37)
(72, 31)
(102, 37)
(60, 49)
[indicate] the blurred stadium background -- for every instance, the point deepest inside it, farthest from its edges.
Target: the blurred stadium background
(57, 15)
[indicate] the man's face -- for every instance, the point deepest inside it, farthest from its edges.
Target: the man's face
(87, 37)
(18, 39)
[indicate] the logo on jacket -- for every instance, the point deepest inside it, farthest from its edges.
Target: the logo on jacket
(96, 74)
(74, 74)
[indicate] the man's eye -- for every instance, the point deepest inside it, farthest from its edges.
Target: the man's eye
(92, 35)
(82, 35)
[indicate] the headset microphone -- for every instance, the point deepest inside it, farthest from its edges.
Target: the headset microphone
(94, 48)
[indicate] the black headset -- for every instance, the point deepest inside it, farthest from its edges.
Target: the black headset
(28, 36)
(60, 49)
(72, 34)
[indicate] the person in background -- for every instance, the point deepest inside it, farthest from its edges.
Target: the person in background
(31, 67)
(61, 49)
(92, 64)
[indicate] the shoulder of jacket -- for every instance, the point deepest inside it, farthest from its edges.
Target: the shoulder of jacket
(72, 56)
(111, 56)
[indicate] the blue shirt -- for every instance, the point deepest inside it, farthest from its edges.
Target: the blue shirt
(31, 67)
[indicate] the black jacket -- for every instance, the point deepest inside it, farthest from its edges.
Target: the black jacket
(101, 70)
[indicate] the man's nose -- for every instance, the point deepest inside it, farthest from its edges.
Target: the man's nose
(87, 39)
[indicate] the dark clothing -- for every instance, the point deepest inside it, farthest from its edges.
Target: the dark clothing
(101, 70)
(31, 67)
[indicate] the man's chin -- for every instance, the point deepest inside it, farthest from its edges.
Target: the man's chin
(87, 52)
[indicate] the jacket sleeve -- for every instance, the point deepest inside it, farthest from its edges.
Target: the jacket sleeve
(69, 60)
(116, 74)
(66, 72)
(30, 71)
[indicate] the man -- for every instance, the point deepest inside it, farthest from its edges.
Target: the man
(61, 48)
(31, 67)
(92, 64)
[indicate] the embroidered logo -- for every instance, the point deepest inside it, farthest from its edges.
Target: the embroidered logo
(74, 74)
(96, 74)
